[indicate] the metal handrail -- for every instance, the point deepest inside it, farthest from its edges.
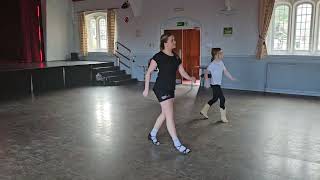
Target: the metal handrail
(120, 55)
(124, 56)
(120, 62)
(118, 43)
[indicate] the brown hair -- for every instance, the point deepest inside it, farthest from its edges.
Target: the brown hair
(164, 39)
(214, 51)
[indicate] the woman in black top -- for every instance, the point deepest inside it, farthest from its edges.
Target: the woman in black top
(168, 63)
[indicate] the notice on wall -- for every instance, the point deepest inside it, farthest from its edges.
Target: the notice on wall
(227, 31)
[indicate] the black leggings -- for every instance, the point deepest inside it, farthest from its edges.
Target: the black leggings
(217, 94)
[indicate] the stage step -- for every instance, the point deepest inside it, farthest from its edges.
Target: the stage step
(106, 64)
(110, 75)
(113, 73)
(103, 69)
(119, 77)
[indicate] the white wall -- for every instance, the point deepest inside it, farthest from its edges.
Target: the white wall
(273, 74)
(59, 29)
(154, 13)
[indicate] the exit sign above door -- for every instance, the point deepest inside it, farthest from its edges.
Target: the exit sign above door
(181, 23)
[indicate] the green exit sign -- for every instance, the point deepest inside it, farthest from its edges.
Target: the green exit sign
(181, 23)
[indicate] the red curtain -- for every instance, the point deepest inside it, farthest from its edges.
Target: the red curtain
(22, 32)
(32, 39)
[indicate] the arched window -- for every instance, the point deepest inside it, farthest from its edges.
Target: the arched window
(97, 32)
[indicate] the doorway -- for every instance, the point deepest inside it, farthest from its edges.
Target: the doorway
(188, 48)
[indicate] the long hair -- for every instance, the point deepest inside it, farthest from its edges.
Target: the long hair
(164, 39)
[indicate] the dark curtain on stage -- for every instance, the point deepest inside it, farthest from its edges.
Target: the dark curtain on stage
(22, 31)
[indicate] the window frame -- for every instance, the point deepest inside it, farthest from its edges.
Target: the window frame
(289, 29)
(97, 16)
(294, 16)
(314, 29)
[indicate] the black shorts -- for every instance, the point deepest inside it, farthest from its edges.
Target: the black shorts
(163, 95)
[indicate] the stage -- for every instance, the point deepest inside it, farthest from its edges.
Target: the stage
(33, 78)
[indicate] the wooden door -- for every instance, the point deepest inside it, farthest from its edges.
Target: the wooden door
(188, 48)
(191, 51)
